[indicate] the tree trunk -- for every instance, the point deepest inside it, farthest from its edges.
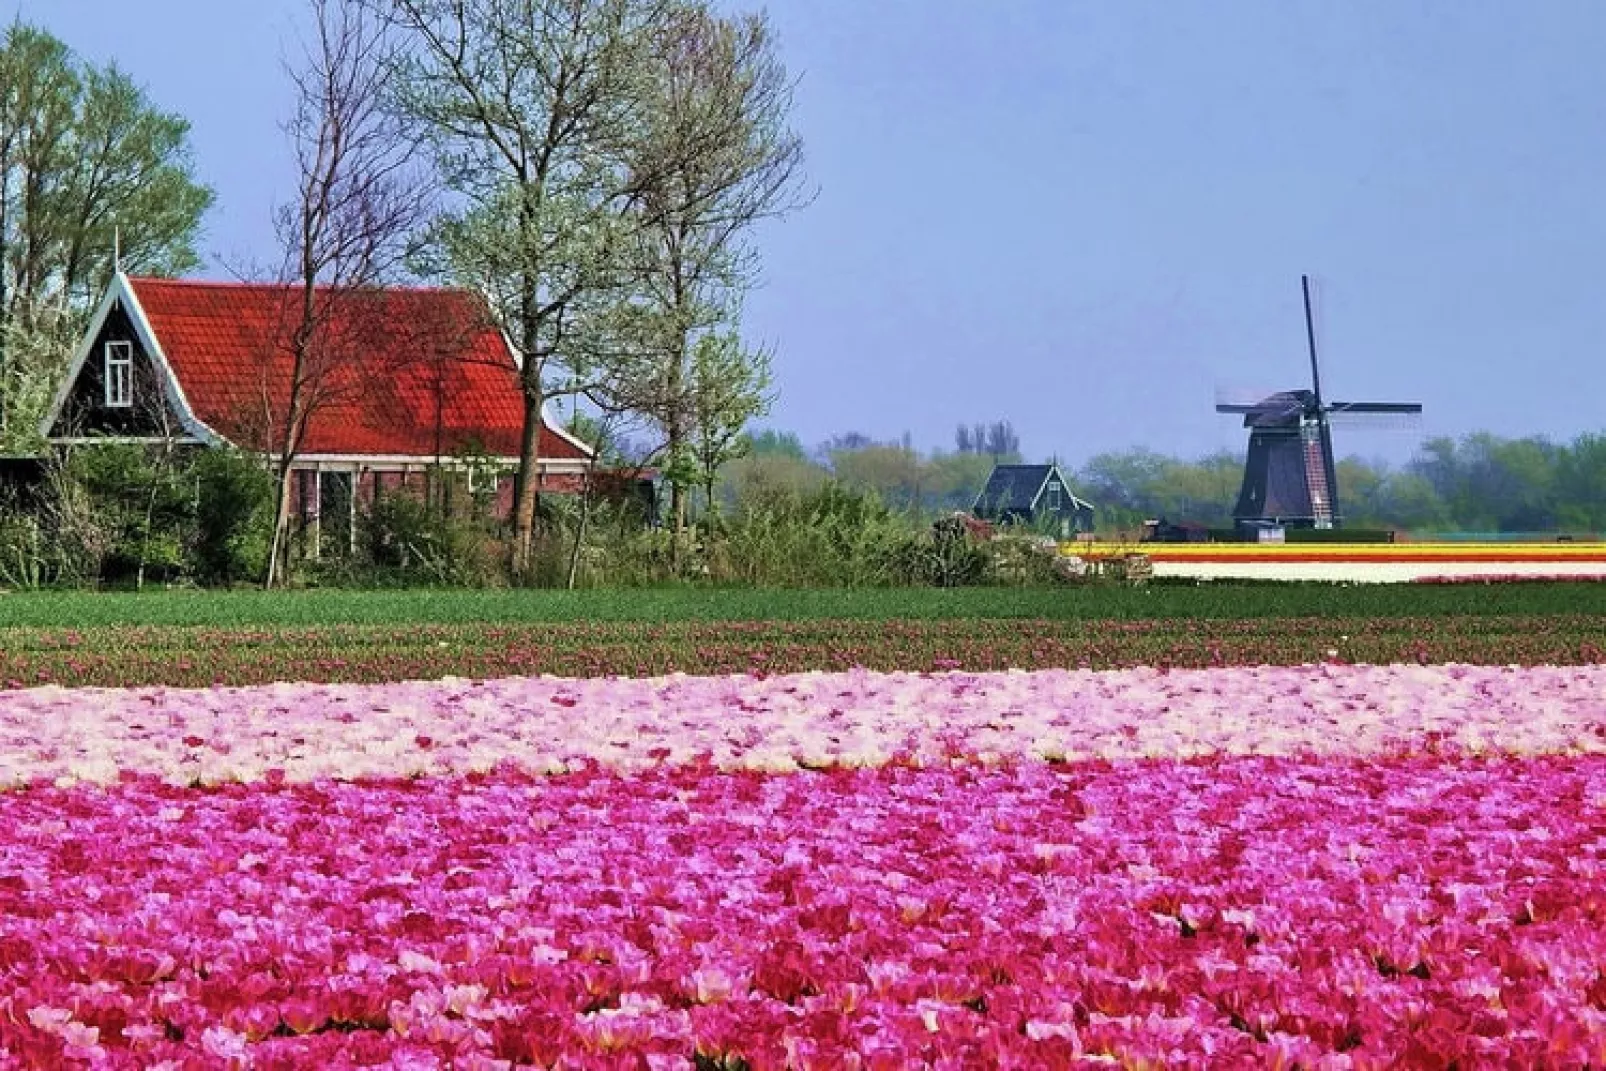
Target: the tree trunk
(277, 546)
(676, 434)
(5, 296)
(150, 513)
(145, 539)
(527, 485)
(580, 529)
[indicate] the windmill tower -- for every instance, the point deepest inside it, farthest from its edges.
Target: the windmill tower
(1289, 476)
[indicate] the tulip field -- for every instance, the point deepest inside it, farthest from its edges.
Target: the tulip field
(948, 843)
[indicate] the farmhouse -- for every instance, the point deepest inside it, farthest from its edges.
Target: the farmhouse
(425, 387)
(1033, 494)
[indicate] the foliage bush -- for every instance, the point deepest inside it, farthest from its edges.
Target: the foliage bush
(832, 536)
(233, 517)
(949, 555)
(1019, 557)
(402, 541)
(129, 509)
(618, 550)
(24, 558)
(55, 538)
(835, 536)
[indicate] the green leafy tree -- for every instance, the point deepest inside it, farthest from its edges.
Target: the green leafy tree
(1581, 485)
(729, 387)
(952, 481)
(233, 516)
(1409, 501)
(893, 472)
(1128, 482)
(1361, 485)
(606, 435)
(529, 107)
(759, 478)
(714, 157)
(87, 164)
(773, 443)
(1494, 484)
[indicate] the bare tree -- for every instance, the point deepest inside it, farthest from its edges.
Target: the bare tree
(998, 439)
(715, 157)
(357, 201)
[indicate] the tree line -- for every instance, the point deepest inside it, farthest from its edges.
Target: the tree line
(1478, 483)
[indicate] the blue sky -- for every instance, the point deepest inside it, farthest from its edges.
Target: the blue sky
(1088, 218)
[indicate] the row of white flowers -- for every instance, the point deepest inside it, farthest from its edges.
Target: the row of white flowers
(779, 723)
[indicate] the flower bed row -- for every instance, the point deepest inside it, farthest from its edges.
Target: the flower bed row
(784, 722)
(1234, 912)
(197, 657)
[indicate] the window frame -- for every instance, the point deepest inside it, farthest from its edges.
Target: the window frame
(118, 356)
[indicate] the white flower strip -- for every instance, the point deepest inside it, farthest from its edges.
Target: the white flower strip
(312, 731)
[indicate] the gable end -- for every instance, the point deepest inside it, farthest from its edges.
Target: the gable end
(88, 411)
(156, 408)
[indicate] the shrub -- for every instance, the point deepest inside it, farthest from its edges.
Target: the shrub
(130, 506)
(834, 536)
(949, 555)
(1018, 557)
(233, 517)
(24, 559)
(401, 540)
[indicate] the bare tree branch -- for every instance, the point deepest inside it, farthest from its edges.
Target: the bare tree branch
(358, 199)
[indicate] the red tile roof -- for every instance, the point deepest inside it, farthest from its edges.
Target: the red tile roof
(428, 374)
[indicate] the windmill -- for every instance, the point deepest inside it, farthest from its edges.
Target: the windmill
(1289, 478)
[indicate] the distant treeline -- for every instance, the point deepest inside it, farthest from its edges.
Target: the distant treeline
(1479, 483)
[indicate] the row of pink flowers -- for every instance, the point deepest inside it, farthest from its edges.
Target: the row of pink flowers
(780, 723)
(1223, 912)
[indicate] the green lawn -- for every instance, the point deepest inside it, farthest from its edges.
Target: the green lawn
(1157, 602)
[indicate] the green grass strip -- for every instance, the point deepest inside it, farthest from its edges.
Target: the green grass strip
(1163, 601)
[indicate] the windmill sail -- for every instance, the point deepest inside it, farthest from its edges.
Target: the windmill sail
(1289, 473)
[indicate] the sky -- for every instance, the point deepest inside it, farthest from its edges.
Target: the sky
(1090, 219)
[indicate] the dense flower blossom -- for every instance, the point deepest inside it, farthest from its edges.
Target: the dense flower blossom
(783, 722)
(1319, 866)
(1318, 912)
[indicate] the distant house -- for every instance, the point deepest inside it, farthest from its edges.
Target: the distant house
(430, 384)
(1033, 494)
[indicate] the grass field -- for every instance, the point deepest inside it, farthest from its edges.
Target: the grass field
(1186, 601)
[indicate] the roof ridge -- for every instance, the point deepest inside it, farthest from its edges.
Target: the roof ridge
(234, 284)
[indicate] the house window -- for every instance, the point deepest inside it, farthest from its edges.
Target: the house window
(1054, 495)
(119, 375)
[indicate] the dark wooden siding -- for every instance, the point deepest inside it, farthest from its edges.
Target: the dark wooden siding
(85, 414)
